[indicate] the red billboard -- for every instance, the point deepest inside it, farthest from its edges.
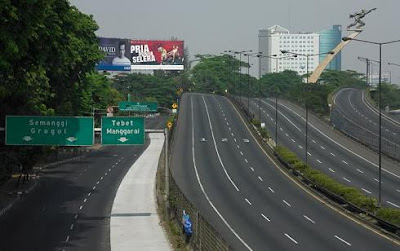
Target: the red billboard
(150, 52)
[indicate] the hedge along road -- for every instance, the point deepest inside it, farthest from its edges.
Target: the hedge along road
(330, 152)
(250, 202)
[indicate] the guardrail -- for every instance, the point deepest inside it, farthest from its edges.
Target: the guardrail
(204, 236)
(363, 135)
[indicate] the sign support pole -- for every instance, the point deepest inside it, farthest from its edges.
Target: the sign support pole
(166, 171)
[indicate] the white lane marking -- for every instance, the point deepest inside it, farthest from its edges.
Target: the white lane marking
(333, 155)
(215, 146)
(238, 146)
(293, 140)
(280, 128)
(319, 161)
(109, 170)
(252, 169)
(234, 139)
(101, 178)
(365, 190)
(346, 179)
(337, 237)
(287, 135)
(105, 174)
(84, 200)
(284, 117)
(309, 153)
(66, 240)
(241, 153)
(308, 218)
(265, 217)
(71, 227)
(245, 160)
(284, 201)
(94, 187)
(76, 216)
(113, 166)
(230, 128)
(323, 147)
(345, 162)
(391, 203)
(330, 169)
(260, 178)
(376, 180)
(227, 123)
(347, 149)
(80, 208)
(89, 194)
(397, 190)
(204, 192)
(300, 147)
(232, 134)
(97, 182)
(358, 170)
(314, 141)
(291, 238)
(248, 201)
(271, 189)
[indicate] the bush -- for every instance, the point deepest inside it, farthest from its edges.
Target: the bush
(264, 133)
(322, 180)
(389, 214)
(256, 123)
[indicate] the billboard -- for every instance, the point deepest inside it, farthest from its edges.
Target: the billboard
(117, 54)
(130, 54)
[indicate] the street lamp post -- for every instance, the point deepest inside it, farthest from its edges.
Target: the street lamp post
(305, 103)
(379, 107)
(391, 72)
(369, 62)
(248, 77)
(276, 58)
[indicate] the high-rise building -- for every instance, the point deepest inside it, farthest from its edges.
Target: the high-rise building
(275, 39)
(328, 40)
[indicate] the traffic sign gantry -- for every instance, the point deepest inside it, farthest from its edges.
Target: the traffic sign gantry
(42, 130)
(138, 106)
(122, 131)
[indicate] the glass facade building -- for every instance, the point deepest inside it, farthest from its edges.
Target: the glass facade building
(328, 40)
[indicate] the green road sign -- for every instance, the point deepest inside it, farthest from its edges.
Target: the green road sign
(122, 131)
(40, 130)
(138, 106)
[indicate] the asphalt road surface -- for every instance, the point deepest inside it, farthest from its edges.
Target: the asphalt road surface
(70, 208)
(250, 202)
(351, 103)
(331, 152)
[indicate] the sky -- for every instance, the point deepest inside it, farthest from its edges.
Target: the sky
(212, 26)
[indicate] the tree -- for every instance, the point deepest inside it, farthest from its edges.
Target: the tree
(48, 51)
(217, 73)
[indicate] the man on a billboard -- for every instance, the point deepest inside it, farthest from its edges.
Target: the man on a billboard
(121, 59)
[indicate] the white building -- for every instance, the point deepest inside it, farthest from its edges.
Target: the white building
(275, 39)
